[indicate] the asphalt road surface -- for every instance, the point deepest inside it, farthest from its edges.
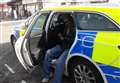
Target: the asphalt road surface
(11, 70)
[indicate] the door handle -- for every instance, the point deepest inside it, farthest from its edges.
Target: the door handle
(118, 46)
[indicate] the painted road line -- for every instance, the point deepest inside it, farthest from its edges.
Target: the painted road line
(9, 68)
(23, 81)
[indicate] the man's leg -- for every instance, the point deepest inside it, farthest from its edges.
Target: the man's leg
(60, 67)
(51, 54)
(41, 57)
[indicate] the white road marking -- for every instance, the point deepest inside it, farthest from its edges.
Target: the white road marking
(23, 81)
(9, 68)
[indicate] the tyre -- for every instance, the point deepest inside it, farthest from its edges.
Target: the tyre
(82, 71)
(13, 41)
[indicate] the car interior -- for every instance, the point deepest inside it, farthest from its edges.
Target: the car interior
(57, 20)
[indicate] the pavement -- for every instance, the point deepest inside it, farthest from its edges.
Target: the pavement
(6, 28)
(11, 70)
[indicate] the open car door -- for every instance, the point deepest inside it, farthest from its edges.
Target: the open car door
(29, 46)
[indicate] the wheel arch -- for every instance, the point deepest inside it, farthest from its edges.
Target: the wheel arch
(75, 56)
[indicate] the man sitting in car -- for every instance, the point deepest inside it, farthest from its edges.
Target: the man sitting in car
(59, 51)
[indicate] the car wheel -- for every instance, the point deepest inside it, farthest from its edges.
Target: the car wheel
(13, 41)
(82, 71)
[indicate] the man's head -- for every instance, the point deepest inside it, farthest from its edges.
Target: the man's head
(68, 19)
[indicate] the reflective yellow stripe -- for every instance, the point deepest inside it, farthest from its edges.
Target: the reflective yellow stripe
(113, 12)
(22, 32)
(105, 48)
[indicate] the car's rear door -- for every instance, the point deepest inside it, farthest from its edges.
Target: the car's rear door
(99, 39)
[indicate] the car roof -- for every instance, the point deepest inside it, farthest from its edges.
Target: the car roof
(112, 11)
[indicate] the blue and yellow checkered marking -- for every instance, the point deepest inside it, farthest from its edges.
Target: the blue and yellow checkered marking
(101, 47)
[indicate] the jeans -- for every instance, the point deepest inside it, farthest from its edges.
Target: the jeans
(51, 54)
(60, 67)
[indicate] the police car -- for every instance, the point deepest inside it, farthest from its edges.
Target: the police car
(20, 29)
(94, 56)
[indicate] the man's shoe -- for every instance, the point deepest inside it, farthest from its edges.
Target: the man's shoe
(44, 80)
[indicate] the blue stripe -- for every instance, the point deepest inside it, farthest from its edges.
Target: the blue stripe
(17, 34)
(112, 80)
(84, 44)
(110, 70)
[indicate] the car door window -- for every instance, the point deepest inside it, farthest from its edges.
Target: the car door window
(38, 25)
(30, 19)
(93, 21)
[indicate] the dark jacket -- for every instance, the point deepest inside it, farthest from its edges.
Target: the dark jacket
(52, 36)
